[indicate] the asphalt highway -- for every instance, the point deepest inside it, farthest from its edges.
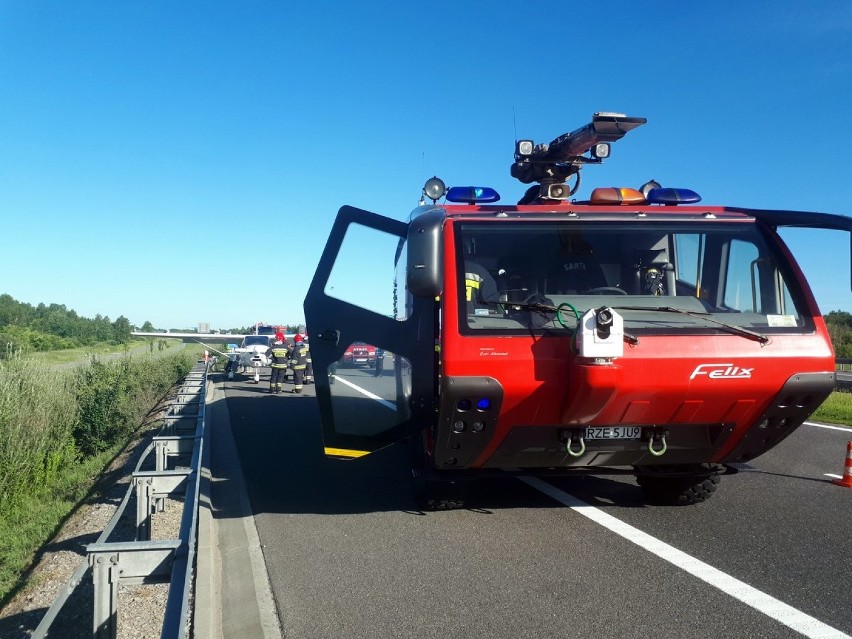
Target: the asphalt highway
(347, 553)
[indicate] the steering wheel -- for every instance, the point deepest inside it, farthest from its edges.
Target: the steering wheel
(536, 298)
(605, 290)
(537, 318)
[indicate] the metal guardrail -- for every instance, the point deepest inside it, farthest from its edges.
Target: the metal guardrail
(143, 560)
(171, 560)
(843, 381)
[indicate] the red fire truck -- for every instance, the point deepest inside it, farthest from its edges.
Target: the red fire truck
(360, 354)
(637, 331)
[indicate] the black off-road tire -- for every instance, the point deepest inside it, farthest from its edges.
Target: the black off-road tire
(679, 489)
(433, 495)
(430, 493)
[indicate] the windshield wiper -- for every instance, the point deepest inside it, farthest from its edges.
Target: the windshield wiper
(737, 330)
(542, 309)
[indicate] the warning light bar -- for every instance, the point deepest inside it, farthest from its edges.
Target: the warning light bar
(658, 195)
(472, 194)
(615, 195)
(671, 197)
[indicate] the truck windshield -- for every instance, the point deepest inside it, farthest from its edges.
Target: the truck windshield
(727, 271)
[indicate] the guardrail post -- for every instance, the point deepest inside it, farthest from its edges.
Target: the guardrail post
(186, 409)
(130, 563)
(170, 446)
(151, 486)
(105, 579)
(181, 424)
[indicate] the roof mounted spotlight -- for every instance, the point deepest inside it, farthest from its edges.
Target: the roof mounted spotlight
(524, 148)
(600, 151)
(434, 189)
(650, 184)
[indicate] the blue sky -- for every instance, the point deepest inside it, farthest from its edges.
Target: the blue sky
(182, 162)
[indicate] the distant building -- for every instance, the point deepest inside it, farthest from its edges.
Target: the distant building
(203, 327)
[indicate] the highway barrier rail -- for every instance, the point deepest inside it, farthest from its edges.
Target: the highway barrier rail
(843, 381)
(182, 435)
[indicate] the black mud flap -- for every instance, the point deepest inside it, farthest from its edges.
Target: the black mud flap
(357, 304)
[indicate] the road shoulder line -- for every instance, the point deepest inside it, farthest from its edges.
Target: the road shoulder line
(245, 604)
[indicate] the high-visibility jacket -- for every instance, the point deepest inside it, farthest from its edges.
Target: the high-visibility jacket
(299, 356)
(278, 353)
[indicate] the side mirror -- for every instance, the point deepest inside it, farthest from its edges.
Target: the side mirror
(424, 275)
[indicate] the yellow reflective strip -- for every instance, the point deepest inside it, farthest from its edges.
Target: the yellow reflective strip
(345, 452)
(469, 285)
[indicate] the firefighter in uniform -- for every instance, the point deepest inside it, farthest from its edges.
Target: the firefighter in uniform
(298, 362)
(309, 369)
(380, 362)
(277, 354)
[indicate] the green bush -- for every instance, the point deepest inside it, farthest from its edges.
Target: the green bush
(37, 415)
(17, 339)
(114, 396)
(57, 430)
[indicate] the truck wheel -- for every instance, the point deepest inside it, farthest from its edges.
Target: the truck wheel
(431, 493)
(690, 484)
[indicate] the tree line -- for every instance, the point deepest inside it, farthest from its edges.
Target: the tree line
(840, 326)
(24, 327)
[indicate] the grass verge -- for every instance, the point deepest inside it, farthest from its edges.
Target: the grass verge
(26, 525)
(58, 432)
(837, 409)
(102, 350)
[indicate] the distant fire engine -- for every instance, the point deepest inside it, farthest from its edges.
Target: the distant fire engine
(360, 354)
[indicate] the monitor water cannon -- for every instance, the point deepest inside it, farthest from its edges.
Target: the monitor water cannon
(552, 164)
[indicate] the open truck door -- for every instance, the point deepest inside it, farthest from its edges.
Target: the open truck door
(358, 298)
(801, 219)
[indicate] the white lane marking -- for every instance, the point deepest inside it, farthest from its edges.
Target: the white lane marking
(365, 392)
(760, 601)
(843, 428)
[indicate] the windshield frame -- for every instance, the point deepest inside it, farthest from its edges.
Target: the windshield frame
(501, 318)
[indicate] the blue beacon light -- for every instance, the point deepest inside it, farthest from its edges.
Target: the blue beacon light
(472, 194)
(483, 404)
(671, 197)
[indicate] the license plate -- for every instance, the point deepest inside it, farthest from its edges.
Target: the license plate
(614, 432)
(360, 359)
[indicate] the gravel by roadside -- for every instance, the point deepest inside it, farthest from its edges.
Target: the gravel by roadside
(140, 608)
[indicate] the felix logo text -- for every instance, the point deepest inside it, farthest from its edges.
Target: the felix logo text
(721, 371)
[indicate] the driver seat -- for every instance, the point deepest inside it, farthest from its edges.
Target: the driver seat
(575, 273)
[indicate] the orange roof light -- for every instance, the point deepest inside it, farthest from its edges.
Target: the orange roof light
(618, 196)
